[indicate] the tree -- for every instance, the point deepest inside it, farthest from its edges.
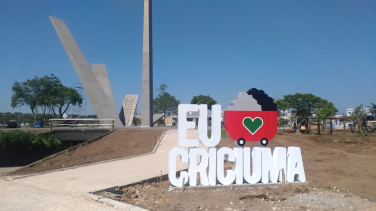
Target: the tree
(203, 99)
(34, 93)
(282, 107)
(136, 120)
(64, 97)
(46, 93)
(324, 110)
(165, 103)
(23, 118)
(359, 115)
(304, 105)
(162, 88)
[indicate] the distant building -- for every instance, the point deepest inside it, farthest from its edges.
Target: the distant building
(350, 111)
(338, 123)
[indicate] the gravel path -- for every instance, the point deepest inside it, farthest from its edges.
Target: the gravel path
(63, 190)
(4, 170)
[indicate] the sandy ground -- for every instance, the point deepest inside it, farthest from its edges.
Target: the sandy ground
(6, 170)
(118, 144)
(63, 190)
(339, 160)
(340, 168)
(341, 171)
(155, 197)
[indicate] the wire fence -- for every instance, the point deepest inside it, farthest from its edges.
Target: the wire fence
(82, 123)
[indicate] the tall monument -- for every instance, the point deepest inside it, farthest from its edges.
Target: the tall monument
(147, 68)
(94, 79)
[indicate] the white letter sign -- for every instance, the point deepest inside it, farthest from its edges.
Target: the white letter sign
(184, 125)
(256, 165)
(172, 166)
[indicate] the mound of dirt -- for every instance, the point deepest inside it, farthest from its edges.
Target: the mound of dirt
(118, 144)
(155, 196)
(340, 160)
(340, 170)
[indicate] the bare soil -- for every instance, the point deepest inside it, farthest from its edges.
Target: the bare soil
(339, 160)
(118, 144)
(340, 168)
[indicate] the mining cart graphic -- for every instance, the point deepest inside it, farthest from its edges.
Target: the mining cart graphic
(252, 116)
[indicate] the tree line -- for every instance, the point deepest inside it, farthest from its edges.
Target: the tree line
(31, 118)
(167, 104)
(44, 95)
(47, 97)
(306, 106)
(300, 105)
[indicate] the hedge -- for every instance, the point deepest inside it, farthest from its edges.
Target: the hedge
(27, 145)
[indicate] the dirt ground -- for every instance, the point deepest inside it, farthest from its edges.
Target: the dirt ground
(340, 169)
(118, 144)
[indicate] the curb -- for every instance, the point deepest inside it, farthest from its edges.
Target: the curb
(116, 204)
(84, 165)
(159, 141)
(123, 206)
(53, 155)
(148, 180)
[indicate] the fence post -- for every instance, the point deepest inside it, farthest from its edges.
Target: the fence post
(51, 125)
(113, 124)
(344, 126)
(331, 128)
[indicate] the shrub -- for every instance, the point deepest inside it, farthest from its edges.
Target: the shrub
(18, 141)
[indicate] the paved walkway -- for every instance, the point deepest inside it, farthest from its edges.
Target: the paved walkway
(63, 190)
(4, 170)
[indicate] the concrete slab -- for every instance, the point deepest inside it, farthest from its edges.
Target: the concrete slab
(147, 68)
(137, 209)
(100, 73)
(128, 109)
(156, 117)
(103, 106)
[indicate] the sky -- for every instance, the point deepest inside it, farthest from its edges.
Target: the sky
(212, 47)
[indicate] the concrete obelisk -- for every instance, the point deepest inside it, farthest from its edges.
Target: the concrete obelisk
(147, 68)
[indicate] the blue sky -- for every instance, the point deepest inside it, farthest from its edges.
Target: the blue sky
(212, 47)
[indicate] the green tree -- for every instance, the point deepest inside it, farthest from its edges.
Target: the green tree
(136, 120)
(34, 93)
(46, 93)
(304, 105)
(324, 110)
(165, 103)
(203, 99)
(64, 97)
(162, 88)
(282, 107)
(359, 115)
